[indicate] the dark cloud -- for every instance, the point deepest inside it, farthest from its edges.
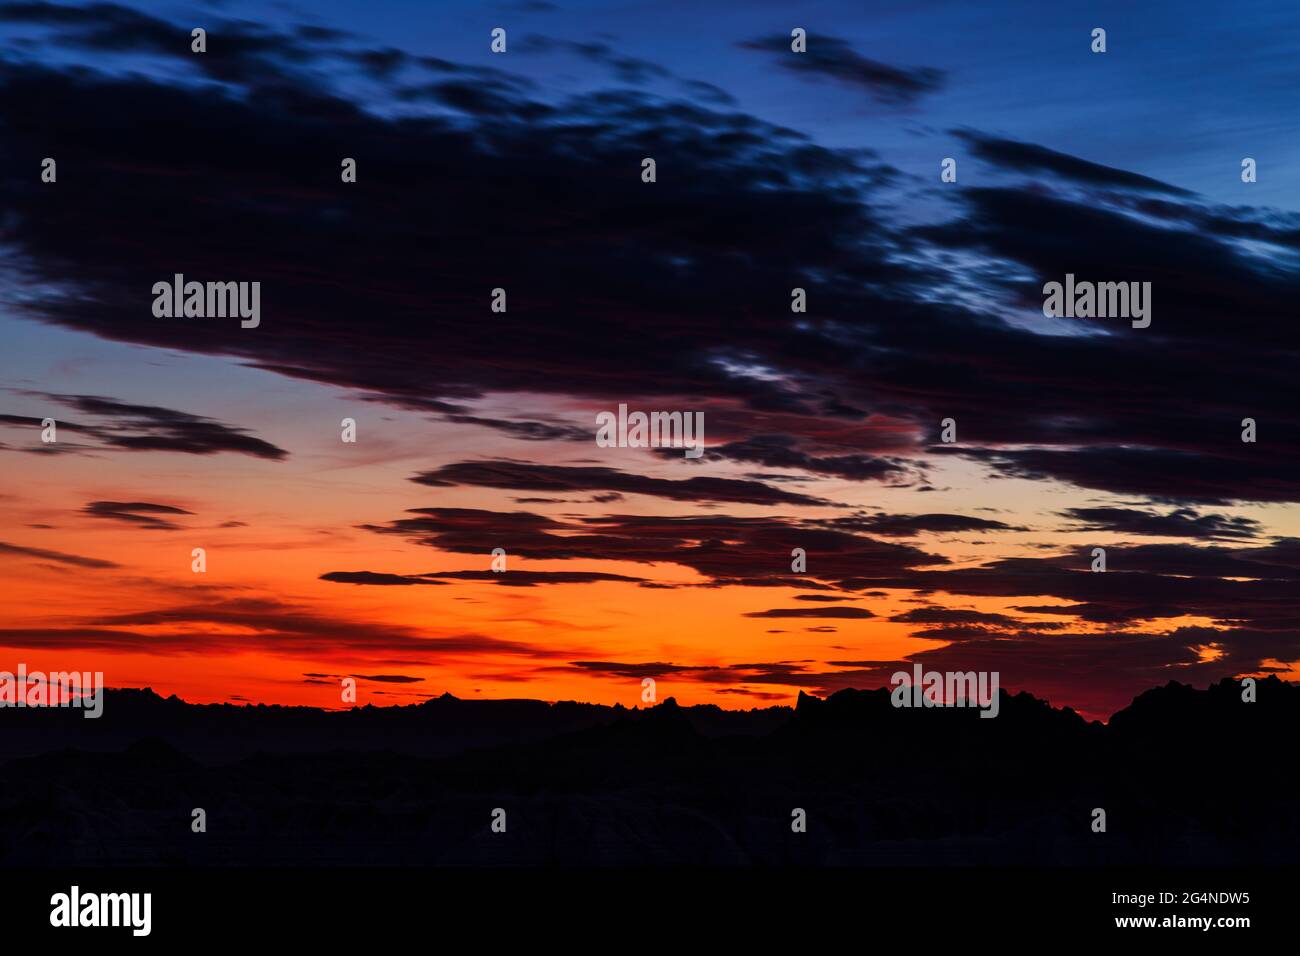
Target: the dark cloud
(142, 513)
(1273, 226)
(536, 477)
(374, 578)
(1156, 435)
(739, 183)
(883, 342)
(779, 451)
(516, 579)
(756, 694)
(831, 58)
(943, 615)
(528, 579)
(237, 51)
(728, 550)
(151, 428)
(634, 671)
(58, 557)
(1218, 477)
(236, 625)
(528, 430)
(904, 526)
(1030, 157)
(1179, 523)
(829, 612)
(779, 672)
(1236, 587)
(28, 421)
(877, 342)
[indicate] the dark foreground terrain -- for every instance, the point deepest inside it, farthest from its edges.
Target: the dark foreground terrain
(1185, 777)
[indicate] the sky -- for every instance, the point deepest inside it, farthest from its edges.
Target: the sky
(475, 430)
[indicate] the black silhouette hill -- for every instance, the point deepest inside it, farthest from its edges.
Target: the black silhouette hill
(1185, 776)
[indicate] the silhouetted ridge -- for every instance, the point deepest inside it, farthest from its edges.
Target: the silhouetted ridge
(588, 783)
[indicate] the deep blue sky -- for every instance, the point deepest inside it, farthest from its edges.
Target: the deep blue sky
(1185, 90)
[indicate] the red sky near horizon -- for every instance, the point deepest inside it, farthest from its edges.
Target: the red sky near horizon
(261, 625)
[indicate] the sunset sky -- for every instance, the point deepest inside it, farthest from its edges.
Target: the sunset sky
(476, 430)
